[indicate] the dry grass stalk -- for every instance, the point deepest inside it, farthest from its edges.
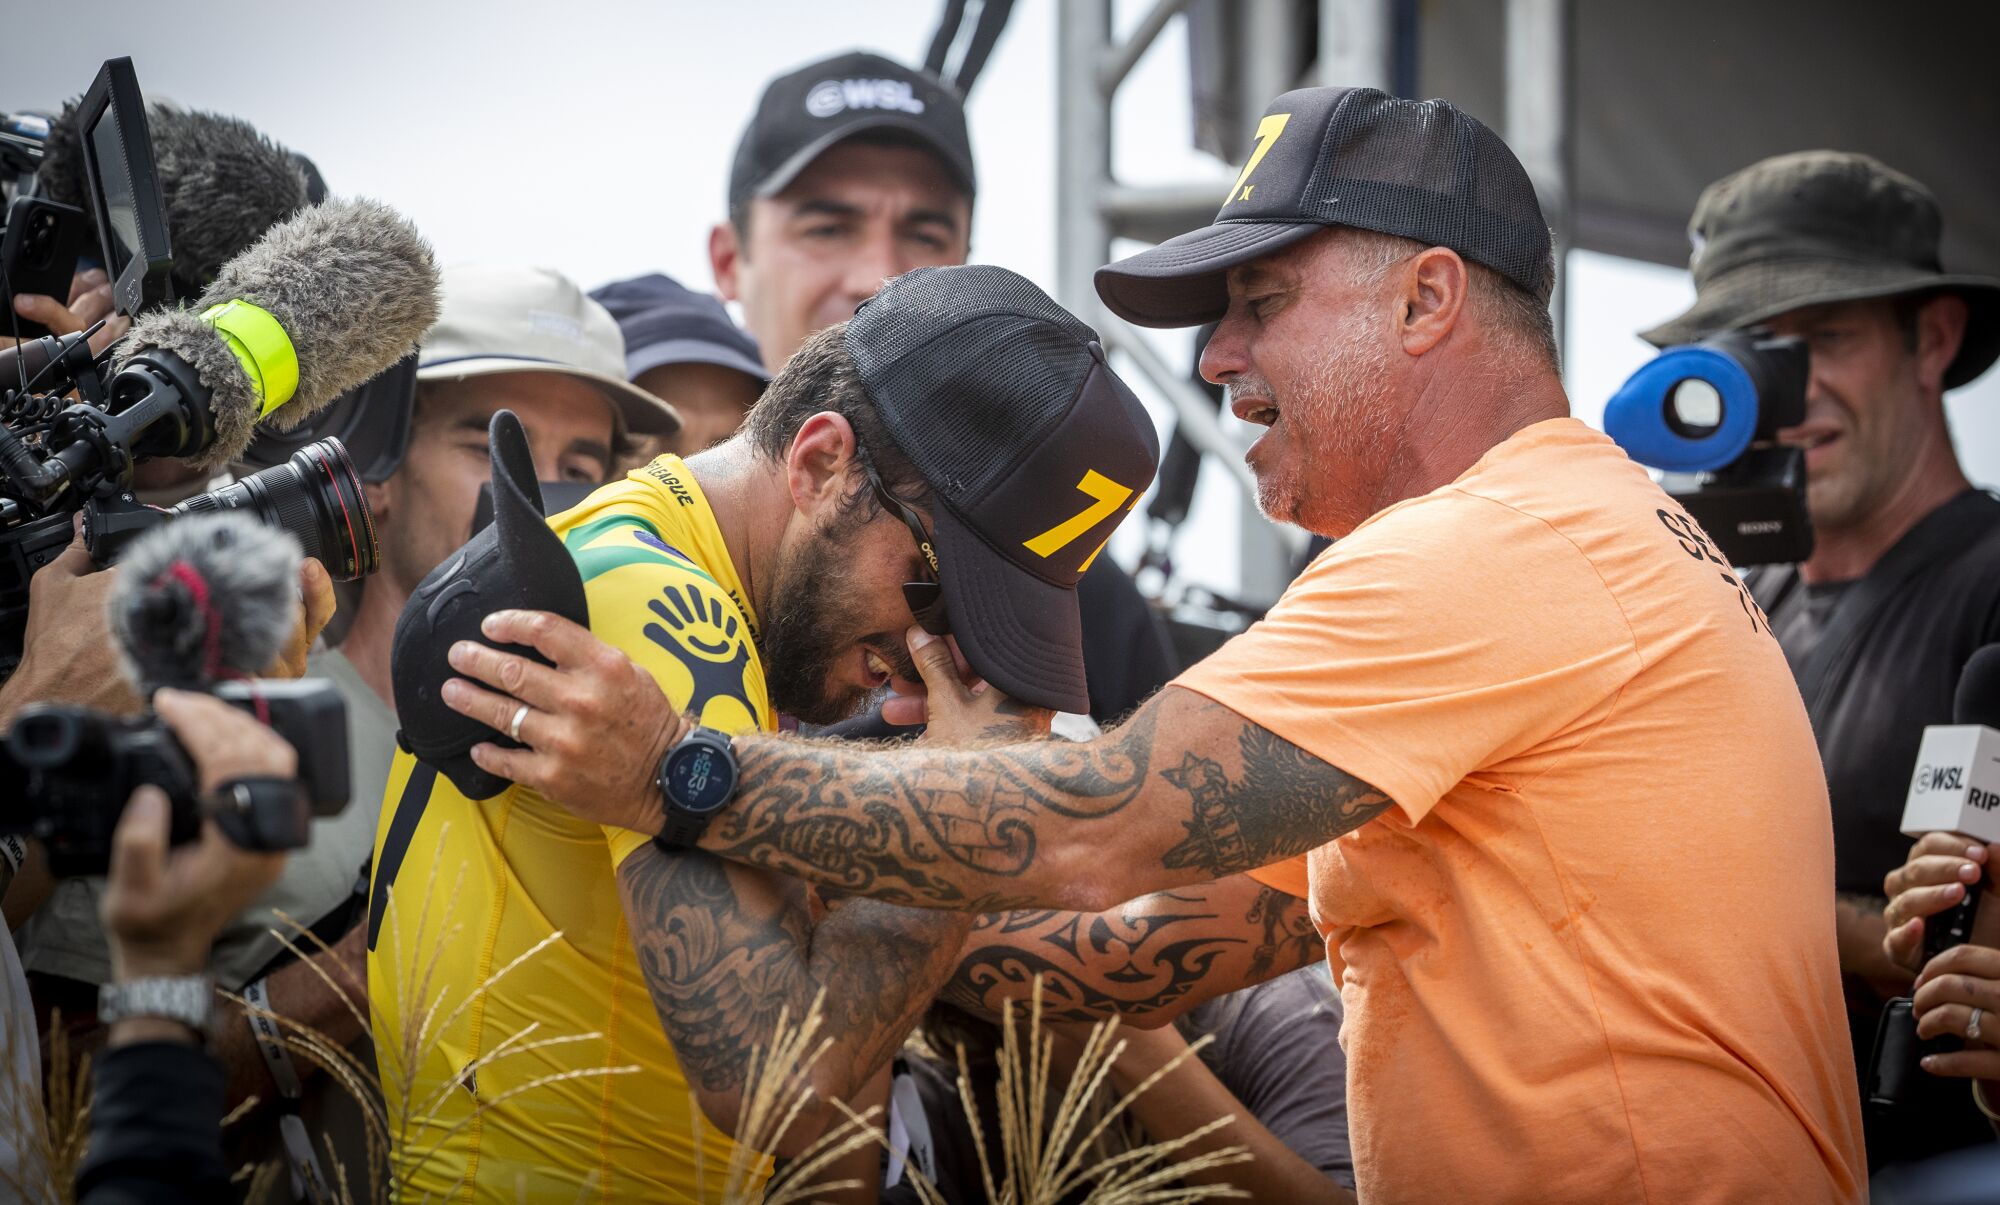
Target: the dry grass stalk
(777, 1087)
(1044, 1157)
(50, 1133)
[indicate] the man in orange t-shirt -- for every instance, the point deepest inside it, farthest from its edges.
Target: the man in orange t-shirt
(1520, 740)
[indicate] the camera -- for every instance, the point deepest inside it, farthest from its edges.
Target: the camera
(59, 457)
(1707, 415)
(67, 772)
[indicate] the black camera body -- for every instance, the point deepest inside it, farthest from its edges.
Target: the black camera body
(1707, 415)
(68, 772)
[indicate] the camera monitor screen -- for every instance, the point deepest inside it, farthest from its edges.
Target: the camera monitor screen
(125, 188)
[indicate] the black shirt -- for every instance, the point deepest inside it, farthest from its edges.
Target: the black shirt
(1877, 659)
(155, 1128)
(1895, 673)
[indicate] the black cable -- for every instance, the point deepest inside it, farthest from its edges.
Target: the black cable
(949, 24)
(992, 22)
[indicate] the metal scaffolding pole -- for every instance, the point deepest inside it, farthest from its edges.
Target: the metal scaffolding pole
(1092, 208)
(1356, 44)
(1538, 111)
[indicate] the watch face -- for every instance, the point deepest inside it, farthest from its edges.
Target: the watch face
(700, 777)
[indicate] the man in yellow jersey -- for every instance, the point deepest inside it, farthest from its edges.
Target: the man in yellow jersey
(779, 572)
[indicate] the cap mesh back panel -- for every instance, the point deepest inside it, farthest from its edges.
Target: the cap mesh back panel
(1423, 170)
(969, 368)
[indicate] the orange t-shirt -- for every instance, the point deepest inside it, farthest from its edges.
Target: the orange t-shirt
(1590, 954)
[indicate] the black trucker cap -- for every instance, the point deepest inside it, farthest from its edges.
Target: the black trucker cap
(1420, 169)
(803, 113)
(516, 561)
(1032, 446)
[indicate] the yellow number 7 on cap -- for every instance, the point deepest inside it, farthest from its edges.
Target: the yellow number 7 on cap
(1108, 494)
(1267, 134)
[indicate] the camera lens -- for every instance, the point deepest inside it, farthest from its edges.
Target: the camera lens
(1694, 409)
(46, 739)
(315, 495)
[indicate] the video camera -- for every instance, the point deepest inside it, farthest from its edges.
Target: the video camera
(1707, 414)
(201, 605)
(68, 773)
(59, 457)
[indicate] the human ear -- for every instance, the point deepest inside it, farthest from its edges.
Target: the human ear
(819, 464)
(1431, 297)
(1940, 332)
(725, 259)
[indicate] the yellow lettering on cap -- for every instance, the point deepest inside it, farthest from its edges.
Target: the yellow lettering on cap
(1267, 134)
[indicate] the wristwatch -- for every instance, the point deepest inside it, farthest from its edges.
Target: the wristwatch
(188, 999)
(697, 779)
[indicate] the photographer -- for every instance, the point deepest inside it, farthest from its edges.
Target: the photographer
(156, 1116)
(1904, 579)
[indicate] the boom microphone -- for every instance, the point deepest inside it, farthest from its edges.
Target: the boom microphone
(223, 184)
(1957, 785)
(322, 302)
(203, 599)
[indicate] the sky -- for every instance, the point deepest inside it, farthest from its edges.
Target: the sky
(594, 137)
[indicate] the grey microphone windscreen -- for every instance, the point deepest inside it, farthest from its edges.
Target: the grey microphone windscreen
(223, 184)
(352, 283)
(204, 598)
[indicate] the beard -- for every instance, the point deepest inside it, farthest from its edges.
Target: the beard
(812, 626)
(1340, 414)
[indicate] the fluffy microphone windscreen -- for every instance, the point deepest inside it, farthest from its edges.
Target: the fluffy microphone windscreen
(352, 283)
(223, 184)
(203, 598)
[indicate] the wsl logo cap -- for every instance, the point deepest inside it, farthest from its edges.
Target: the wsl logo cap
(803, 113)
(1418, 169)
(1033, 450)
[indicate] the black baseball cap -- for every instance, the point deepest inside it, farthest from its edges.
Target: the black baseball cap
(1033, 450)
(804, 112)
(516, 561)
(1419, 169)
(665, 322)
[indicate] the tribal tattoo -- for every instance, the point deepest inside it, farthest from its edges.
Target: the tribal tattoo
(725, 948)
(1185, 791)
(1153, 957)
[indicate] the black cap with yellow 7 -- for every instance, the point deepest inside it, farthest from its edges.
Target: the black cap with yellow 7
(1420, 169)
(1032, 446)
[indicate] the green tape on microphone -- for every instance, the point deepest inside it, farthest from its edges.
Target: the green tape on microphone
(263, 348)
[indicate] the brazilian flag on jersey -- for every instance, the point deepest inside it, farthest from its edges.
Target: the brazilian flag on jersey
(517, 888)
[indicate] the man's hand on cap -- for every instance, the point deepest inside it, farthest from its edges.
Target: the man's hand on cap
(596, 724)
(959, 707)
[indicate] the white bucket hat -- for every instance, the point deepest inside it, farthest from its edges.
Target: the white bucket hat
(508, 319)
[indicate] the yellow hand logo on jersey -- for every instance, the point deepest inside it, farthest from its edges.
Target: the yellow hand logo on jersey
(708, 640)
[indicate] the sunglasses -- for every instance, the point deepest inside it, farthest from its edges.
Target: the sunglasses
(926, 598)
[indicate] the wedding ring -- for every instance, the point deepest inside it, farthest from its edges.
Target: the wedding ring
(514, 731)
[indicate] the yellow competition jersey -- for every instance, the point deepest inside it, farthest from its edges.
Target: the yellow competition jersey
(472, 887)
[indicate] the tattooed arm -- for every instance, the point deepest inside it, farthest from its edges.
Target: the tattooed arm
(1148, 960)
(725, 948)
(1185, 792)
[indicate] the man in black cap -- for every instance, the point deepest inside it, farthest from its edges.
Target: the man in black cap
(1501, 733)
(1903, 584)
(854, 169)
(775, 573)
(681, 346)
